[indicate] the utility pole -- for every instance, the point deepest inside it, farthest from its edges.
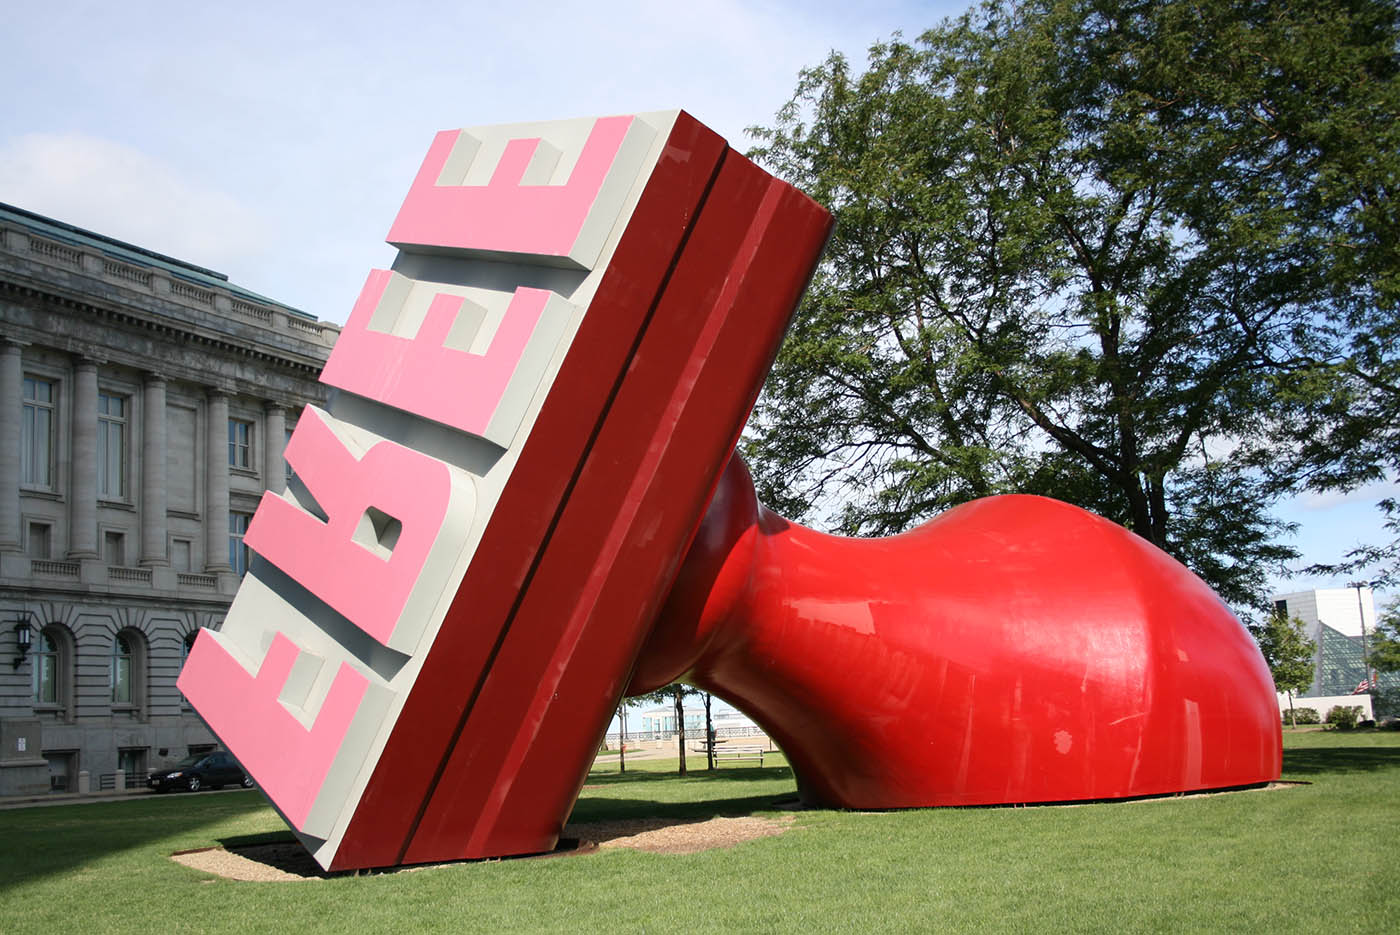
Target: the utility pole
(1365, 651)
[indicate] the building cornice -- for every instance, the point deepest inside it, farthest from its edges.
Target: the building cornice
(96, 293)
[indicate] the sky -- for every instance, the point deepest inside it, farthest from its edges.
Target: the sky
(274, 142)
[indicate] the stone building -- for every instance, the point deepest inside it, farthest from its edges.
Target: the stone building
(144, 406)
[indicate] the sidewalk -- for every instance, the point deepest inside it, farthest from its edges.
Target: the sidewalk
(108, 795)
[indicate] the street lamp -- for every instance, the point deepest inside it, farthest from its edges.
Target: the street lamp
(24, 632)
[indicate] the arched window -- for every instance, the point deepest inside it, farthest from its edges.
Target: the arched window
(128, 671)
(186, 645)
(46, 670)
(121, 669)
(53, 670)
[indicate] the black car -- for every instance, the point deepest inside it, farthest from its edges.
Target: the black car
(200, 771)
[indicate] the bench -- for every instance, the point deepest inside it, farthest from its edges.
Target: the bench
(755, 752)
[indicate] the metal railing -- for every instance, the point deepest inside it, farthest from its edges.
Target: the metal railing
(691, 733)
(107, 782)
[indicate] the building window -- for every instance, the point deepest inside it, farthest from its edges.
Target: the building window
(181, 554)
(112, 414)
(60, 770)
(186, 645)
(52, 657)
(114, 548)
(38, 429)
(123, 657)
(37, 541)
(47, 670)
(132, 762)
(240, 444)
(237, 551)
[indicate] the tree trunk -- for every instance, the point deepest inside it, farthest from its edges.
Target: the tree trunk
(1292, 718)
(621, 739)
(680, 725)
(709, 736)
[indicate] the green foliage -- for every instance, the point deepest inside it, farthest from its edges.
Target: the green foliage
(1081, 249)
(1385, 641)
(1343, 717)
(1385, 704)
(1303, 716)
(674, 695)
(1287, 651)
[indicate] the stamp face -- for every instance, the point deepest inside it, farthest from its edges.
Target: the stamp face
(360, 558)
(532, 408)
(551, 191)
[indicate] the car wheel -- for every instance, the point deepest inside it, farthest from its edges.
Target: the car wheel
(194, 783)
(247, 782)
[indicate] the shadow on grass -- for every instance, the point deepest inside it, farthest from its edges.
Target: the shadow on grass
(281, 850)
(595, 808)
(55, 839)
(1309, 762)
(283, 836)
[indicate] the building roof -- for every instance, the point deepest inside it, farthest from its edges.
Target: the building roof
(130, 253)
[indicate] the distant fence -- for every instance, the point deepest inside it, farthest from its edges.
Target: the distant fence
(691, 733)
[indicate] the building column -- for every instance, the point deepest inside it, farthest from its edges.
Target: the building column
(82, 506)
(11, 391)
(275, 422)
(153, 484)
(216, 486)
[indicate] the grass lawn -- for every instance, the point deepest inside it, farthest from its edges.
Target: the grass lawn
(1315, 858)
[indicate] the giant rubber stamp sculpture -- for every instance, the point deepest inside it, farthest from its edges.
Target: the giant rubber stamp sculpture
(501, 524)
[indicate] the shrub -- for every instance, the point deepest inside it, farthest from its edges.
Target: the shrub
(1386, 702)
(1303, 716)
(1344, 717)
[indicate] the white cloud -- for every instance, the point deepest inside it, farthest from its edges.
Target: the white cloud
(1369, 493)
(275, 145)
(120, 191)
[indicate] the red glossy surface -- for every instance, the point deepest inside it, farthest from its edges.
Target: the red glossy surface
(497, 736)
(1015, 649)
(609, 562)
(1012, 650)
(435, 713)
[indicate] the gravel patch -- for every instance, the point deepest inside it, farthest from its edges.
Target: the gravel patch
(262, 863)
(663, 836)
(288, 861)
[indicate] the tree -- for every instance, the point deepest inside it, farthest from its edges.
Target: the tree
(1343, 410)
(1385, 657)
(1288, 652)
(675, 694)
(1083, 248)
(622, 735)
(709, 734)
(1385, 641)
